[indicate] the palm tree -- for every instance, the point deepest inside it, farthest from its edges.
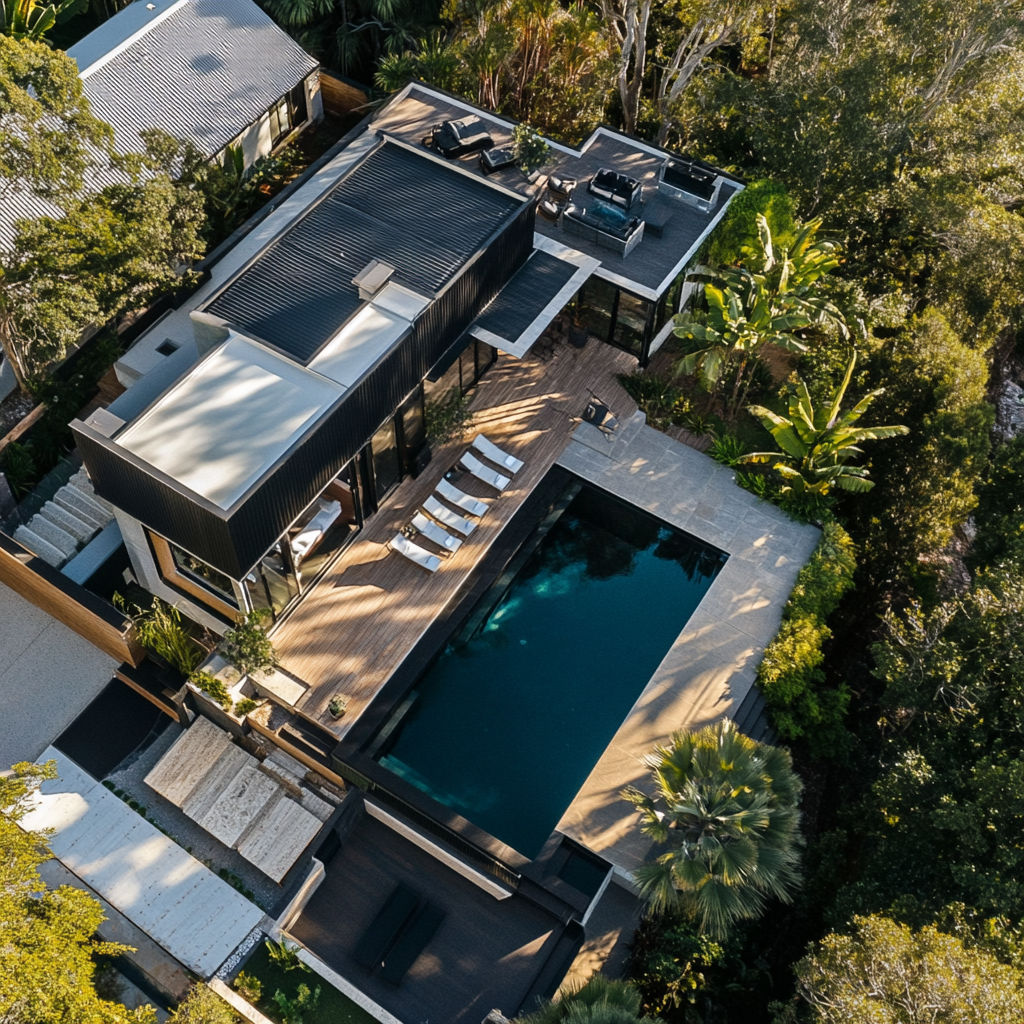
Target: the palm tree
(767, 301)
(599, 1001)
(724, 810)
(817, 445)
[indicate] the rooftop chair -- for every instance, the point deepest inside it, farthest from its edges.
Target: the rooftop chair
(459, 499)
(446, 517)
(460, 138)
(385, 927)
(313, 532)
(430, 530)
(471, 464)
(620, 189)
(561, 188)
(421, 556)
(491, 451)
(411, 942)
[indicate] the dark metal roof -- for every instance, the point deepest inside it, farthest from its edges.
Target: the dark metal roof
(523, 299)
(400, 206)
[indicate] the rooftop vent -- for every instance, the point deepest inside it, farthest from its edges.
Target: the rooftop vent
(372, 278)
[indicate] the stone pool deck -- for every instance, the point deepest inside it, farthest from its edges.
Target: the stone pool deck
(712, 664)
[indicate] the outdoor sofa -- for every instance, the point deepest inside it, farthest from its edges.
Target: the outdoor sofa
(583, 223)
(616, 188)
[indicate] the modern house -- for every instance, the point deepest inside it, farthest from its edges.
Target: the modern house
(214, 73)
(479, 639)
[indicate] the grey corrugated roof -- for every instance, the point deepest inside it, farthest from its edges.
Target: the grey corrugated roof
(203, 72)
(523, 299)
(399, 206)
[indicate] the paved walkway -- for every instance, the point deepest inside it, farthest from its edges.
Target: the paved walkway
(48, 675)
(711, 667)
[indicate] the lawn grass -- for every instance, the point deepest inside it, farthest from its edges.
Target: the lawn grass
(332, 1007)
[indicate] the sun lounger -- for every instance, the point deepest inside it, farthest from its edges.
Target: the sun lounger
(491, 451)
(313, 532)
(411, 942)
(430, 530)
(446, 517)
(386, 926)
(421, 556)
(472, 464)
(460, 499)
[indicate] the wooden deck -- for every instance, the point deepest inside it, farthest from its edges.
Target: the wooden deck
(352, 631)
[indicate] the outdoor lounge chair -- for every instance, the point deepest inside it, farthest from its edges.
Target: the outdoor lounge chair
(421, 556)
(446, 517)
(471, 464)
(489, 450)
(430, 530)
(313, 532)
(459, 499)
(385, 927)
(411, 942)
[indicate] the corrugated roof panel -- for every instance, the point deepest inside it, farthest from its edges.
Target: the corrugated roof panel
(421, 217)
(523, 299)
(203, 73)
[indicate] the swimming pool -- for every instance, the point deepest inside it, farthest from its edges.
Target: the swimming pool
(508, 722)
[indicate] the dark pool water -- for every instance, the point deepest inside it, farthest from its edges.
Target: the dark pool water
(510, 720)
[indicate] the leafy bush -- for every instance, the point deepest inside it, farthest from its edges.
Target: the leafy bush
(531, 149)
(447, 418)
(248, 647)
(246, 706)
(699, 423)
(727, 450)
(249, 987)
(285, 956)
(203, 1006)
(737, 232)
(655, 395)
(19, 468)
(293, 1011)
(159, 629)
(213, 688)
(790, 675)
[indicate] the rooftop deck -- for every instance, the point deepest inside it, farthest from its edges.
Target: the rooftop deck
(354, 628)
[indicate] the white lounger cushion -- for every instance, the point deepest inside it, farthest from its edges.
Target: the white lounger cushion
(430, 530)
(460, 499)
(446, 517)
(315, 528)
(491, 451)
(415, 553)
(472, 464)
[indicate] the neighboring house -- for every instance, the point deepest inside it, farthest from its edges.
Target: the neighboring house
(215, 73)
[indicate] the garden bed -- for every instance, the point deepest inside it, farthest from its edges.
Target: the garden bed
(331, 1008)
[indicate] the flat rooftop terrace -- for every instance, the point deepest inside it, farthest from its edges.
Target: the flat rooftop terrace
(361, 621)
(655, 262)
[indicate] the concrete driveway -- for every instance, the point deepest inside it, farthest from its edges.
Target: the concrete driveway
(48, 674)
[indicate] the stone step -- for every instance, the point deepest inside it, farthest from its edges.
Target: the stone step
(84, 484)
(82, 531)
(77, 501)
(60, 539)
(43, 548)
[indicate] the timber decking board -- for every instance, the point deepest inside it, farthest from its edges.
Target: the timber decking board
(350, 633)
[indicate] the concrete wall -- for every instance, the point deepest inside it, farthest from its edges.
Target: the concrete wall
(148, 574)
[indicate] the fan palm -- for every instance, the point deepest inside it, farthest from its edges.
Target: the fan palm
(724, 810)
(599, 1001)
(764, 302)
(818, 444)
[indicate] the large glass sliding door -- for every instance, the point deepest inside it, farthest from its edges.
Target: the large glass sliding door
(617, 317)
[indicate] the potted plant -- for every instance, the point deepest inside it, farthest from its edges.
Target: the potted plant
(578, 330)
(337, 705)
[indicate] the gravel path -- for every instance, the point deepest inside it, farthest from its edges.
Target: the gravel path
(129, 776)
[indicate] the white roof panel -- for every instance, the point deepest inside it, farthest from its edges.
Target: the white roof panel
(368, 336)
(230, 419)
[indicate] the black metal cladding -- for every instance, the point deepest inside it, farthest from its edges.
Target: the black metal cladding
(397, 205)
(525, 296)
(234, 541)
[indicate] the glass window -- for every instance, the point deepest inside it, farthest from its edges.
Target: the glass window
(631, 323)
(196, 569)
(297, 102)
(280, 120)
(272, 584)
(414, 430)
(387, 470)
(322, 530)
(598, 298)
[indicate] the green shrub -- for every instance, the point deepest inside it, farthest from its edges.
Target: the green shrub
(655, 395)
(447, 418)
(212, 687)
(727, 450)
(19, 468)
(790, 675)
(245, 707)
(285, 956)
(160, 630)
(249, 987)
(293, 1011)
(531, 149)
(248, 647)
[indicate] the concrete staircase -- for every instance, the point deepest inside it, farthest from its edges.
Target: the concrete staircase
(67, 523)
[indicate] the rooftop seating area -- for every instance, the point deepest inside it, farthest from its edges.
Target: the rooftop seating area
(354, 628)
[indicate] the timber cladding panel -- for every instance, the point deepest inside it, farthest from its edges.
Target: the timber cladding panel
(339, 96)
(90, 617)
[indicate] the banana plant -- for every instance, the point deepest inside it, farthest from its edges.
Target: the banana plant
(29, 19)
(817, 445)
(765, 302)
